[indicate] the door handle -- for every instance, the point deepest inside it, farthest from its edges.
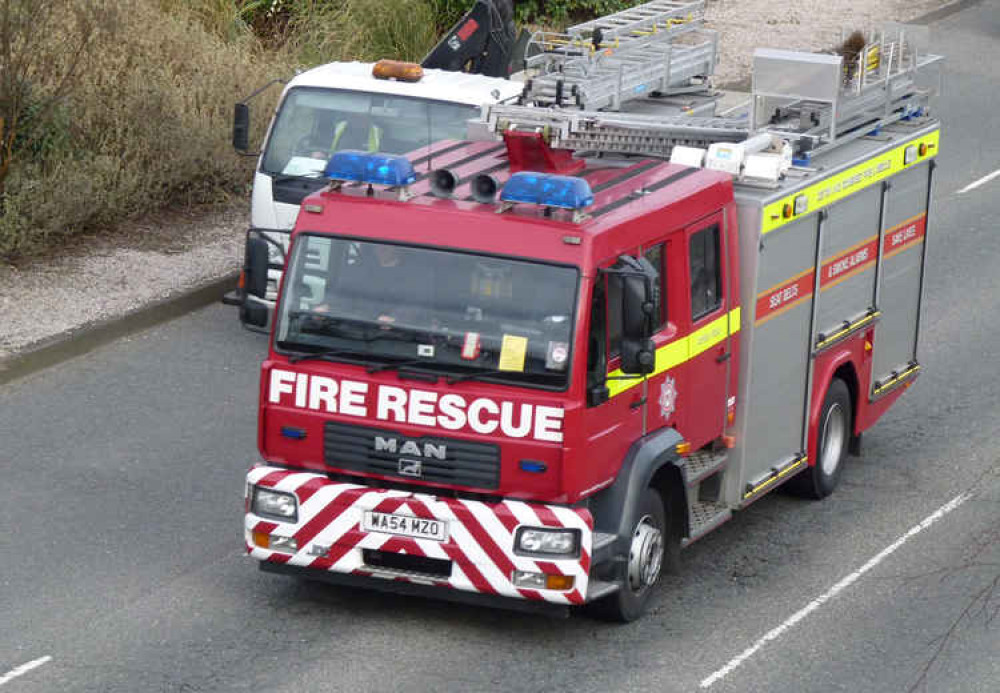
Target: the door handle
(637, 402)
(723, 357)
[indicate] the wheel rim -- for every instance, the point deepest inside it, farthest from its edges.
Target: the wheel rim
(834, 427)
(645, 554)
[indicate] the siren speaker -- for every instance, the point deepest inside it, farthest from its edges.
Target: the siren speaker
(484, 188)
(443, 182)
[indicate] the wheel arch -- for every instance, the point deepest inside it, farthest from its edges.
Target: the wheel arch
(651, 462)
(840, 365)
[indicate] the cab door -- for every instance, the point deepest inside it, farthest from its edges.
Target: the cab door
(688, 389)
(615, 409)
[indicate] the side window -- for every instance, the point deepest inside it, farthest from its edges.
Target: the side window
(656, 257)
(597, 362)
(614, 312)
(706, 273)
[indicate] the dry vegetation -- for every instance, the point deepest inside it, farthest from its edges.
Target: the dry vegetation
(111, 109)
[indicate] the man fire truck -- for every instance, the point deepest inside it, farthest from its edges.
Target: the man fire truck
(392, 107)
(617, 329)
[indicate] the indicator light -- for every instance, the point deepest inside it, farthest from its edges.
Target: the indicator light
(532, 466)
(362, 167)
(548, 190)
(684, 448)
(786, 210)
(293, 433)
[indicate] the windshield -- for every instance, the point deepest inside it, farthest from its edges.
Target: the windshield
(314, 123)
(457, 315)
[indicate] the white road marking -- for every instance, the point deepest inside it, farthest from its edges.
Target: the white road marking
(846, 582)
(24, 669)
(982, 181)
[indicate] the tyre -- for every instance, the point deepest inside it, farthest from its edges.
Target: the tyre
(645, 562)
(833, 435)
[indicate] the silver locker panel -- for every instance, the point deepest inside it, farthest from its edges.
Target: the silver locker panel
(779, 361)
(850, 249)
(900, 277)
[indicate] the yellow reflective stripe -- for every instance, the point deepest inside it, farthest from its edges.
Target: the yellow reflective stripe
(338, 132)
(374, 138)
(708, 336)
(735, 316)
(680, 351)
(834, 188)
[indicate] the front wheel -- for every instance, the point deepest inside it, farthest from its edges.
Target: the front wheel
(647, 546)
(832, 437)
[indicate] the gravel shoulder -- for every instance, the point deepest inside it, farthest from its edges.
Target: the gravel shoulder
(173, 252)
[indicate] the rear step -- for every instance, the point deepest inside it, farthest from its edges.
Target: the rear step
(705, 516)
(700, 465)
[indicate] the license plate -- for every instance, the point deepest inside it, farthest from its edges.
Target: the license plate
(405, 525)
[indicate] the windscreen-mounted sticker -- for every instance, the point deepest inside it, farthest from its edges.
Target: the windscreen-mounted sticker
(512, 353)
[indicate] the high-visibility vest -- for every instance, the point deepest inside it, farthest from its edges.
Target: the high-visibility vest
(374, 136)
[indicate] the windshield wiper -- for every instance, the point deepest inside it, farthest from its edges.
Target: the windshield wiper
(279, 178)
(476, 375)
(395, 365)
(328, 355)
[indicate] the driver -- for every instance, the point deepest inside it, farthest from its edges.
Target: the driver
(388, 285)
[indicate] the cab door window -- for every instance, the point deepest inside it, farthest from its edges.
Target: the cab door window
(657, 257)
(706, 272)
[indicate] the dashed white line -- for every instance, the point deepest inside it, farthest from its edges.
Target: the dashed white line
(982, 181)
(24, 669)
(846, 582)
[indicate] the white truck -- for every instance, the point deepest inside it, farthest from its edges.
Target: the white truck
(391, 107)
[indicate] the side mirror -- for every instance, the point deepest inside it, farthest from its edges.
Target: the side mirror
(255, 266)
(639, 280)
(241, 127)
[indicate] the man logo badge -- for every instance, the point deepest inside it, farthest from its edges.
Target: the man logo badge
(408, 467)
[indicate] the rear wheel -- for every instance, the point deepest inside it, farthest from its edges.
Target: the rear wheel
(833, 435)
(647, 549)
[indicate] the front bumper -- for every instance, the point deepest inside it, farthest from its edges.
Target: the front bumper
(478, 554)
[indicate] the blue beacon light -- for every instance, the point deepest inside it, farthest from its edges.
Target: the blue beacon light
(363, 167)
(548, 190)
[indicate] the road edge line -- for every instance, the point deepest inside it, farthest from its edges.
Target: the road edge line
(24, 669)
(839, 587)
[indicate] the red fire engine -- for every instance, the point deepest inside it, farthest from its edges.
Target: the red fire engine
(530, 375)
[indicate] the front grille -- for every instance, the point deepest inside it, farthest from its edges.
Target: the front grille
(403, 562)
(474, 465)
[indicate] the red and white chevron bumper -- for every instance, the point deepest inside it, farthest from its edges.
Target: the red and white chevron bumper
(328, 535)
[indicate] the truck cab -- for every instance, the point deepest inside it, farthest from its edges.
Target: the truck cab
(492, 372)
(354, 105)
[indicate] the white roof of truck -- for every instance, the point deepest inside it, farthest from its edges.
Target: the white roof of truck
(440, 85)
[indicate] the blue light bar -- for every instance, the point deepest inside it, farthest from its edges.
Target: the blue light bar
(362, 167)
(549, 190)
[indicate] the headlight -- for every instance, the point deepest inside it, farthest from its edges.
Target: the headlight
(274, 504)
(547, 542)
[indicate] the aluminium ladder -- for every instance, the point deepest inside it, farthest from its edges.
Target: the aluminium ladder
(881, 90)
(627, 55)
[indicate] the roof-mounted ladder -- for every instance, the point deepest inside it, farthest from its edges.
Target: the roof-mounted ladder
(628, 55)
(809, 100)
